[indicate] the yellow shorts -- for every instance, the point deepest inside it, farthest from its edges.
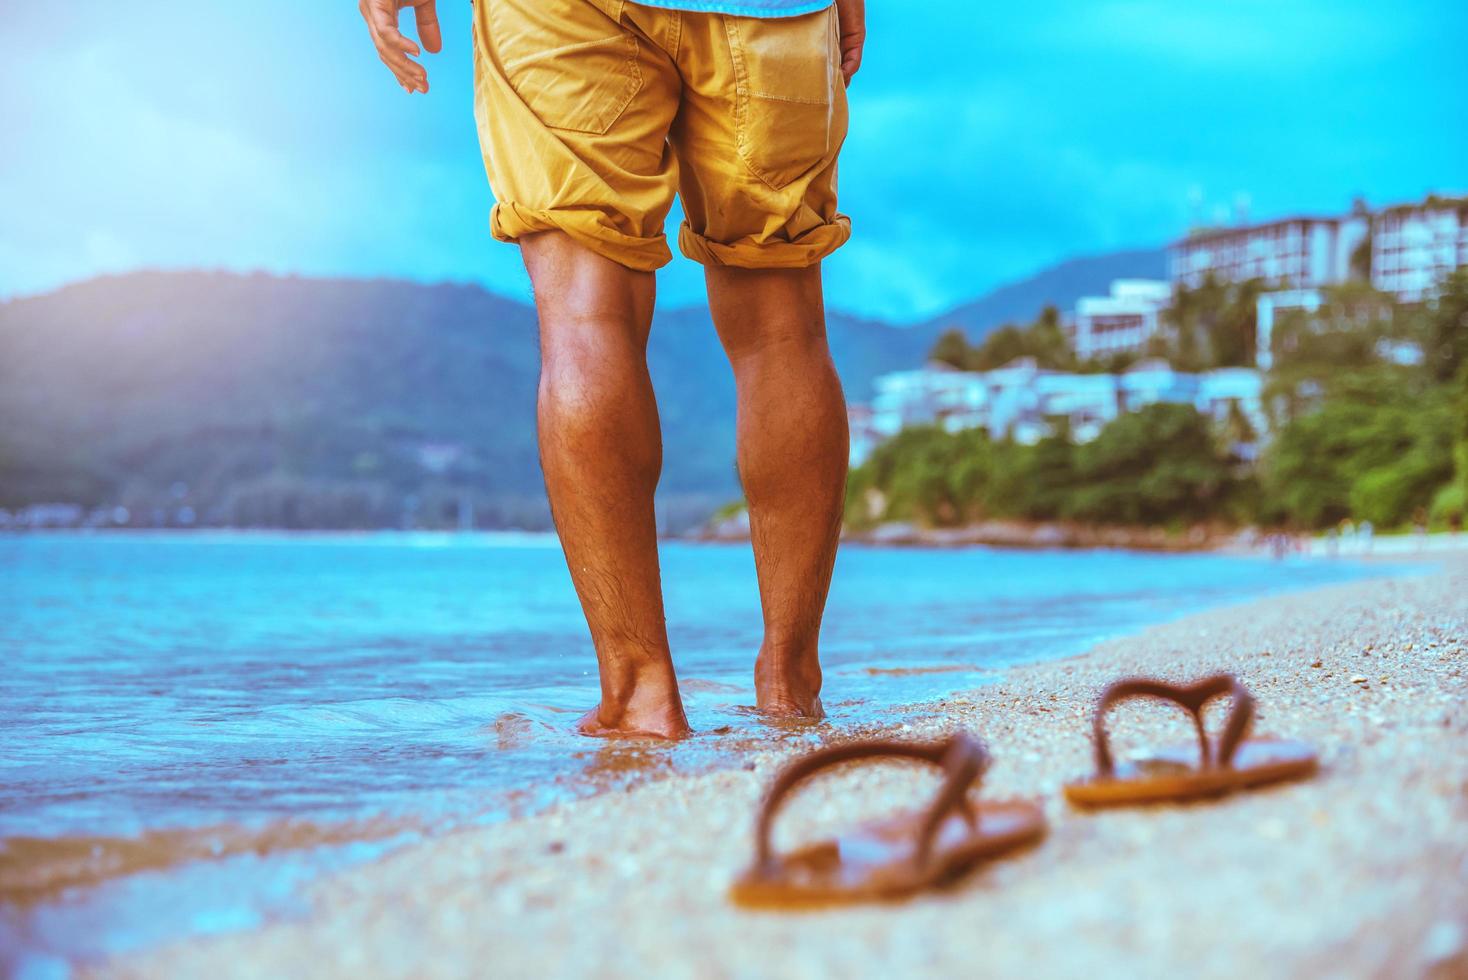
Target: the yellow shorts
(591, 114)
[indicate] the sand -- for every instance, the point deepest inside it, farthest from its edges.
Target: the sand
(1362, 872)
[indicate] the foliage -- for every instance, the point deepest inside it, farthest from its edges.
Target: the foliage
(1376, 449)
(1445, 340)
(1449, 507)
(1159, 465)
(1044, 340)
(927, 474)
(952, 348)
(1460, 452)
(1213, 325)
(1155, 466)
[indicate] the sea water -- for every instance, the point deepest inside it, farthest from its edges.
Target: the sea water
(182, 710)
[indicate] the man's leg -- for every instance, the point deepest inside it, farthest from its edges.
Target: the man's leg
(602, 453)
(792, 452)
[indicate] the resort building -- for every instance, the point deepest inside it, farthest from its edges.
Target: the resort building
(1300, 252)
(1120, 323)
(1414, 247)
(1265, 309)
(1025, 402)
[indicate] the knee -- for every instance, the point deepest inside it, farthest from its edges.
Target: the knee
(588, 360)
(596, 398)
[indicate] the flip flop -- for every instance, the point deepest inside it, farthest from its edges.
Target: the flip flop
(894, 857)
(1181, 773)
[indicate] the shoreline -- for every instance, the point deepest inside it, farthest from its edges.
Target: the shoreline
(1005, 535)
(1361, 871)
(1070, 536)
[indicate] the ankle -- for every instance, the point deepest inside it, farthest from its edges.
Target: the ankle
(789, 668)
(640, 698)
(623, 681)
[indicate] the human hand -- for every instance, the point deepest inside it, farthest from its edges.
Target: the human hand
(851, 15)
(393, 47)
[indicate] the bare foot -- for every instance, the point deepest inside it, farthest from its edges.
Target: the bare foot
(593, 724)
(644, 713)
(787, 683)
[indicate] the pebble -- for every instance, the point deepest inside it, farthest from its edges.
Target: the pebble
(1279, 876)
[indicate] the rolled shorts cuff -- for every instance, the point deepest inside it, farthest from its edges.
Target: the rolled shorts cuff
(806, 250)
(508, 221)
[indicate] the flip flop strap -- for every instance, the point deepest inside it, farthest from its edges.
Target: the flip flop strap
(1192, 697)
(961, 756)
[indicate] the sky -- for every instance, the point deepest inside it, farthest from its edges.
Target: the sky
(987, 140)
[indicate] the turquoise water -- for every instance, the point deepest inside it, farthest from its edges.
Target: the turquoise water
(176, 706)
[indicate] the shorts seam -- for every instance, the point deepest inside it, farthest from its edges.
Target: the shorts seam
(791, 98)
(563, 49)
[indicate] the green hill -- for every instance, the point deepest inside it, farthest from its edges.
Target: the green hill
(257, 400)
(253, 400)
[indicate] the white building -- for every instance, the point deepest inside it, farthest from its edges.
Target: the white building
(1300, 252)
(1025, 402)
(935, 394)
(1265, 309)
(1414, 247)
(1120, 323)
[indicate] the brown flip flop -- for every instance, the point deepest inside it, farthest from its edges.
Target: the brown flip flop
(1181, 772)
(894, 857)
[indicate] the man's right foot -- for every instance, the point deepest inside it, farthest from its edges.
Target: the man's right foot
(670, 725)
(651, 709)
(788, 685)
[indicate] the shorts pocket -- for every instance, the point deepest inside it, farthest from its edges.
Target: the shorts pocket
(787, 78)
(576, 72)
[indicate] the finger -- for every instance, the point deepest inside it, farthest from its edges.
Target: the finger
(395, 38)
(400, 64)
(407, 72)
(382, 18)
(428, 31)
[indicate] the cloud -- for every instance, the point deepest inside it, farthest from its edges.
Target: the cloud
(986, 142)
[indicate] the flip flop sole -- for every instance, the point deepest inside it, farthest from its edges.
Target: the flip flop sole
(1173, 776)
(876, 862)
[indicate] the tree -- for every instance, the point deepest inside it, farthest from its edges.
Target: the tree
(1214, 325)
(1377, 448)
(1445, 346)
(1158, 465)
(952, 348)
(925, 474)
(1000, 347)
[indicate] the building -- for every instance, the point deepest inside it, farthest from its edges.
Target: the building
(1297, 253)
(1120, 323)
(1414, 247)
(935, 394)
(1025, 402)
(1265, 309)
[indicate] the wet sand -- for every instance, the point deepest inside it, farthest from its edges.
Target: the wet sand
(1362, 872)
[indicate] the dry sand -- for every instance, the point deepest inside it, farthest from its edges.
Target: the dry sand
(1362, 872)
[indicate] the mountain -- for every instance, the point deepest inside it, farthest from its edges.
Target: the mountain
(256, 400)
(303, 403)
(1060, 285)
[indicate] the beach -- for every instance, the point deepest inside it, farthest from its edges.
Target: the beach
(1360, 872)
